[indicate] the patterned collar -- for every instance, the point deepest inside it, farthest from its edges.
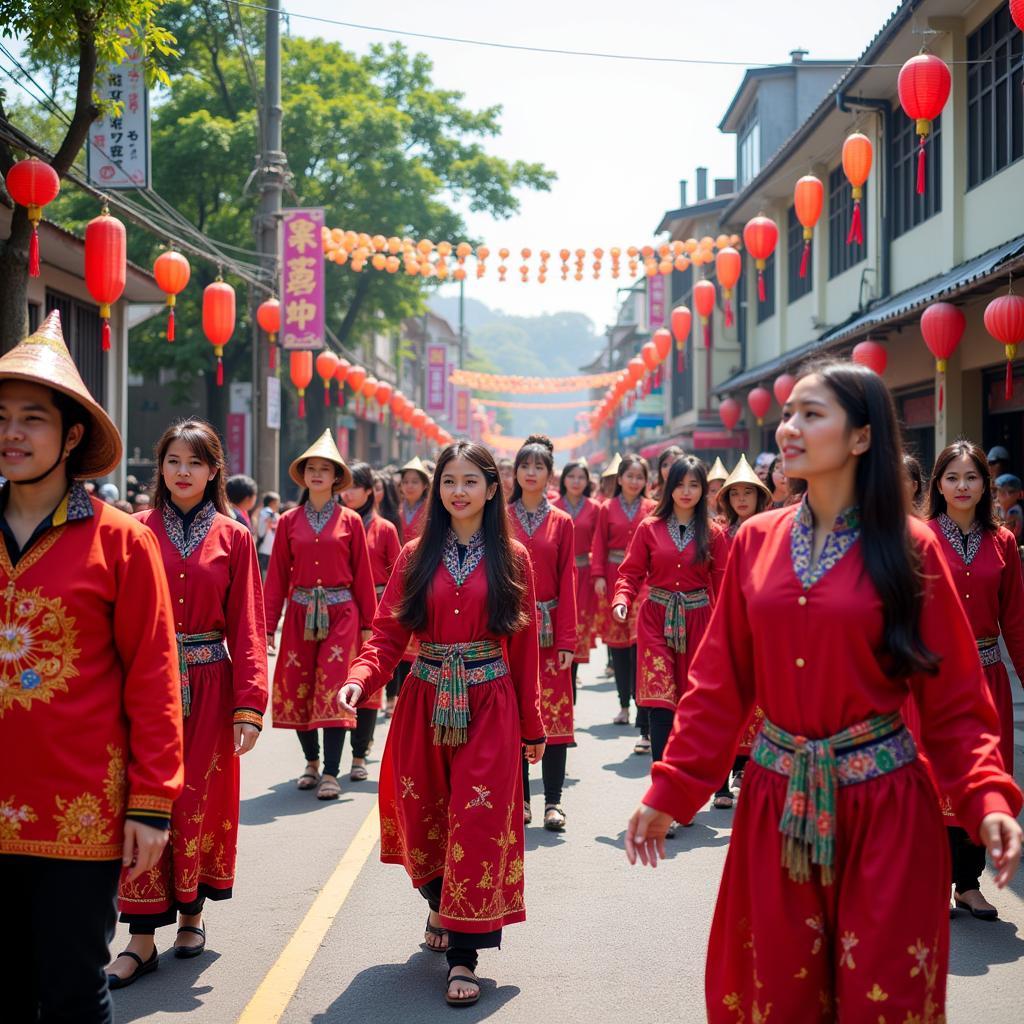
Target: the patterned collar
(368, 518)
(531, 522)
(631, 509)
(409, 511)
(186, 540)
(966, 546)
(318, 520)
(681, 536)
(574, 510)
(733, 527)
(461, 569)
(845, 531)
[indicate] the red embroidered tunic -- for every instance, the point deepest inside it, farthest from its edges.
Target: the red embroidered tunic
(654, 560)
(90, 698)
(807, 655)
(554, 576)
(385, 547)
(457, 812)
(310, 673)
(584, 521)
(613, 532)
(412, 525)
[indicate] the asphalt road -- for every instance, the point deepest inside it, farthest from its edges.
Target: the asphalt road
(603, 941)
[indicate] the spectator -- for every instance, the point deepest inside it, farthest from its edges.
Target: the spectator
(109, 493)
(266, 528)
(124, 506)
(142, 501)
(1008, 508)
(242, 492)
(998, 462)
(762, 467)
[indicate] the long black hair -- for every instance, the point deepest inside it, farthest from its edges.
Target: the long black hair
(628, 461)
(684, 466)
(984, 513)
(569, 467)
(892, 561)
(387, 507)
(536, 448)
(506, 574)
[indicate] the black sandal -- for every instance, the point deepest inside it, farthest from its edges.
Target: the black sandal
(554, 818)
(145, 967)
(439, 933)
(188, 952)
(467, 1000)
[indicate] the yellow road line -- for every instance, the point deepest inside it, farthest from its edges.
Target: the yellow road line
(276, 990)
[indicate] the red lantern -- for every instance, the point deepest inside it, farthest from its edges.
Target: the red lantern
(268, 316)
(1004, 320)
(219, 320)
(649, 354)
(729, 413)
(300, 365)
(663, 343)
(383, 397)
(808, 200)
(340, 375)
(942, 326)
(872, 355)
(760, 401)
(704, 300)
(32, 184)
(760, 236)
(857, 156)
(106, 263)
(681, 321)
(728, 264)
(923, 85)
(326, 366)
(397, 404)
(369, 388)
(172, 272)
(635, 370)
(418, 420)
(1017, 13)
(355, 378)
(783, 387)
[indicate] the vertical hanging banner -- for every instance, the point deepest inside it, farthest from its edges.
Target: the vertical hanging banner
(437, 374)
(118, 154)
(302, 280)
(461, 410)
(656, 302)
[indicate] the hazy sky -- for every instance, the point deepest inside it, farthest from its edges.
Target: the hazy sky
(620, 134)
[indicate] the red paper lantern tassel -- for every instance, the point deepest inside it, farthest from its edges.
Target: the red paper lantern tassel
(920, 168)
(728, 313)
(220, 372)
(327, 394)
(33, 253)
(170, 324)
(856, 227)
(707, 333)
(1008, 388)
(761, 294)
(341, 396)
(273, 357)
(941, 389)
(679, 359)
(302, 404)
(380, 418)
(805, 259)
(105, 335)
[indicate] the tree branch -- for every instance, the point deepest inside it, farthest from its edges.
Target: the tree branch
(85, 109)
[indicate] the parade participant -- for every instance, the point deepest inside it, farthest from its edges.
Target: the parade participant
(609, 480)
(90, 703)
(210, 562)
(762, 464)
(386, 501)
(574, 487)
(1008, 508)
(617, 521)
(507, 471)
(664, 464)
(983, 560)
(777, 483)
(602, 610)
(742, 495)
(832, 613)
(321, 564)
(241, 493)
(998, 459)
(450, 783)
(266, 527)
(413, 488)
(913, 481)
(547, 534)
(384, 546)
(717, 476)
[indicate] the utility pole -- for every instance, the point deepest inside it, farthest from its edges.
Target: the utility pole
(271, 174)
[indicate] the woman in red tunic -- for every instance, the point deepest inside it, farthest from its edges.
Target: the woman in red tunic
(547, 534)
(451, 790)
(414, 487)
(321, 564)
(983, 560)
(211, 566)
(617, 521)
(833, 903)
(717, 476)
(382, 540)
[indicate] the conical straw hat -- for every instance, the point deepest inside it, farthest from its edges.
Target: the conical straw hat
(322, 448)
(743, 474)
(718, 471)
(415, 464)
(612, 469)
(43, 358)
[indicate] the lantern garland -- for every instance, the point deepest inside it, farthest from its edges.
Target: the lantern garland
(172, 272)
(942, 327)
(923, 85)
(517, 385)
(498, 404)
(760, 235)
(32, 183)
(106, 265)
(857, 156)
(1004, 320)
(808, 200)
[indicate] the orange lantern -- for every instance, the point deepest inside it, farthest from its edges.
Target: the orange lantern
(32, 184)
(635, 370)
(383, 397)
(728, 264)
(219, 320)
(681, 320)
(663, 343)
(172, 272)
(106, 264)
(268, 316)
(369, 388)
(760, 235)
(300, 365)
(649, 354)
(808, 200)
(326, 366)
(418, 420)
(704, 300)
(857, 156)
(341, 375)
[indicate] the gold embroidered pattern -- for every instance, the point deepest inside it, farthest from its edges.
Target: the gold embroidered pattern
(12, 817)
(116, 782)
(82, 821)
(877, 994)
(849, 941)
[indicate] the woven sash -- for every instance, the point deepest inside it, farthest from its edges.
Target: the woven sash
(582, 560)
(197, 649)
(988, 650)
(676, 604)
(316, 601)
(546, 630)
(617, 556)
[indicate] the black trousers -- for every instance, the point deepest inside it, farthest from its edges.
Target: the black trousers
(334, 741)
(462, 946)
(394, 686)
(661, 720)
(57, 977)
(624, 666)
(552, 767)
(968, 860)
(575, 672)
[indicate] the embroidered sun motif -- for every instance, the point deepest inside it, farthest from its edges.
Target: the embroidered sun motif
(82, 822)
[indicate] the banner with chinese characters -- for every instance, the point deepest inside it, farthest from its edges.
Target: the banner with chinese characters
(302, 280)
(462, 398)
(117, 155)
(656, 292)
(437, 378)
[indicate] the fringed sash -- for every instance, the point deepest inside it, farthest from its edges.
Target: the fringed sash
(582, 560)
(316, 601)
(676, 604)
(988, 649)
(197, 649)
(616, 555)
(546, 630)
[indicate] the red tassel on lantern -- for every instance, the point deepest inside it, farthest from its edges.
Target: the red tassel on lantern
(923, 85)
(170, 324)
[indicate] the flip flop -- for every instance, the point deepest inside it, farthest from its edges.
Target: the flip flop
(145, 967)
(466, 1001)
(723, 802)
(554, 818)
(329, 788)
(188, 952)
(439, 933)
(309, 779)
(358, 773)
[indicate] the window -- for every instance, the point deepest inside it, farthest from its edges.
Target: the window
(840, 211)
(908, 208)
(995, 106)
(766, 309)
(82, 332)
(798, 286)
(748, 148)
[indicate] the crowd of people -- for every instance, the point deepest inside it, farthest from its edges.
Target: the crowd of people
(790, 630)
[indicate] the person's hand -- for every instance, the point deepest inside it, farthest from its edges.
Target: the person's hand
(600, 586)
(645, 835)
(270, 643)
(351, 694)
(364, 637)
(246, 736)
(1001, 834)
(533, 752)
(564, 660)
(143, 845)
(620, 613)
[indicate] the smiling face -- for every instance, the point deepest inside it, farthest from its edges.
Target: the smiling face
(413, 487)
(633, 481)
(743, 499)
(464, 490)
(532, 476)
(687, 493)
(185, 474)
(575, 483)
(31, 431)
(961, 484)
(319, 476)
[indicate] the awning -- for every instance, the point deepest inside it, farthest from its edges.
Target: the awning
(629, 425)
(652, 451)
(704, 439)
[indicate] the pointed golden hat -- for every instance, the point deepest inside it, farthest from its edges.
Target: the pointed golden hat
(612, 469)
(43, 358)
(415, 464)
(322, 448)
(743, 473)
(718, 471)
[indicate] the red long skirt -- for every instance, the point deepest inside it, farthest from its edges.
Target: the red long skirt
(661, 671)
(556, 709)
(586, 603)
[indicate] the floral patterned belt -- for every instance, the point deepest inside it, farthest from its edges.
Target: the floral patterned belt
(197, 649)
(988, 649)
(453, 669)
(316, 601)
(617, 555)
(815, 767)
(676, 604)
(546, 629)
(582, 560)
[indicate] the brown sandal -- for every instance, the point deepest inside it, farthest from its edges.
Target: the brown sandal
(438, 933)
(309, 779)
(329, 788)
(465, 1000)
